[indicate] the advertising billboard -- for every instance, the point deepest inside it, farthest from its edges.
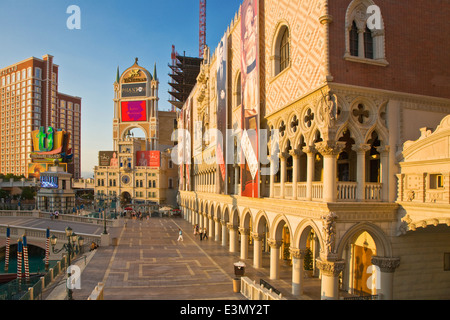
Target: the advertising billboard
(108, 159)
(134, 90)
(222, 58)
(35, 169)
(148, 159)
(250, 98)
(134, 111)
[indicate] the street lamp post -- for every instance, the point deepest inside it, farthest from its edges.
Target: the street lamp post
(73, 241)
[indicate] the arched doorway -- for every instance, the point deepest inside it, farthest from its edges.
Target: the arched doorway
(361, 271)
(125, 199)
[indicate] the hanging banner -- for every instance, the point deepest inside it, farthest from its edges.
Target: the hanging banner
(148, 158)
(133, 111)
(222, 116)
(250, 95)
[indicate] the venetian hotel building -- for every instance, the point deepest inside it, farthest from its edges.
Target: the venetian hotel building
(360, 162)
(29, 100)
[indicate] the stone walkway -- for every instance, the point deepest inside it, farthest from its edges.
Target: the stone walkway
(149, 264)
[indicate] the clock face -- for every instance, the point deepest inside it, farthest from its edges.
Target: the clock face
(125, 179)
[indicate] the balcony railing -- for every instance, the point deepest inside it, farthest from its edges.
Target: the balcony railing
(346, 191)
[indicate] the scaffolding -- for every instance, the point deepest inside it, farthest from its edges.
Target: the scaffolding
(183, 77)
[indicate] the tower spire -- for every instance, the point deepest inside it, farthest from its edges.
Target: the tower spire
(117, 75)
(154, 73)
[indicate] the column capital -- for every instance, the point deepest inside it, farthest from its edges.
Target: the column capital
(386, 264)
(330, 148)
(231, 226)
(297, 253)
(362, 148)
(275, 244)
(330, 268)
(309, 149)
(216, 219)
(257, 236)
(294, 153)
(245, 231)
(283, 155)
(383, 149)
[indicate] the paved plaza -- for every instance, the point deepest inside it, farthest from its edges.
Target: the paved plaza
(148, 263)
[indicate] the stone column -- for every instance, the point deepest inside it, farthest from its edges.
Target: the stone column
(297, 270)
(309, 170)
(272, 175)
(257, 250)
(210, 227)
(361, 170)
(244, 242)
(384, 162)
(275, 258)
(295, 162)
(330, 271)
(329, 150)
(224, 233)
(282, 156)
(385, 276)
(217, 230)
(233, 237)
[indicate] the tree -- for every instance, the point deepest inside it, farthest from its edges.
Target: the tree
(28, 193)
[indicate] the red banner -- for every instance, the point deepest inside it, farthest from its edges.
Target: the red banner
(133, 111)
(148, 159)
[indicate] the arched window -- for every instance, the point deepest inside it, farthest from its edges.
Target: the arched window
(238, 91)
(354, 40)
(368, 43)
(364, 43)
(284, 50)
(280, 58)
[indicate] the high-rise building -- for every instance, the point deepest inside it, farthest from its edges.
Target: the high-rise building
(30, 100)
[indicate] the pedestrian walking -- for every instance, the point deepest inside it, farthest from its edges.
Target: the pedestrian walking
(205, 234)
(180, 235)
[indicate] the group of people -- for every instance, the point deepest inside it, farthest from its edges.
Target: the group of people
(54, 215)
(135, 215)
(200, 231)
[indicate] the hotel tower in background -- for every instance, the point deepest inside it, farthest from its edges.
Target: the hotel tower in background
(30, 100)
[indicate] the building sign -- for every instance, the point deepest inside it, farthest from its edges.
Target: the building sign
(133, 111)
(134, 90)
(50, 145)
(108, 159)
(148, 159)
(250, 95)
(134, 75)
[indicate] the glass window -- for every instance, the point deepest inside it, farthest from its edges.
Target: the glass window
(284, 50)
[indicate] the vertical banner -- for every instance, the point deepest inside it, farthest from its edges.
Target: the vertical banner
(181, 147)
(250, 98)
(188, 144)
(222, 116)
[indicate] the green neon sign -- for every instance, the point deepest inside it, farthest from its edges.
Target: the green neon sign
(42, 136)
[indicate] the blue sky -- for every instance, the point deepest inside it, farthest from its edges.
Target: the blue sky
(112, 34)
